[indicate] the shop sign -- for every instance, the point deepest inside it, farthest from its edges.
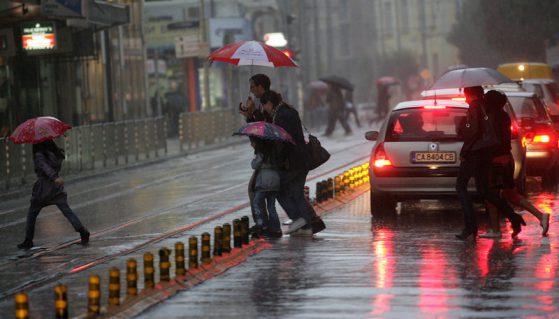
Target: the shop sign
(38, 36)
(64, 8)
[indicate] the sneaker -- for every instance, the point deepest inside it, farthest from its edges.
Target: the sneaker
(545, 224)
(287, 222)
(26, 244)
(491, 234)
(302, 232)
(300, 222)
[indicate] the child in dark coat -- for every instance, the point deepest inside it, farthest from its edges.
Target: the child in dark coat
(49, 190)
(266, 186)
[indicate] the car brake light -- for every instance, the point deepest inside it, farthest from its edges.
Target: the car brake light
(458, 99)
(513, 131)
(380, 160)
(434, 107)
(541, 139)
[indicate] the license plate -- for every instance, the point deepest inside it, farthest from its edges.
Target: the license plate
(433, 157)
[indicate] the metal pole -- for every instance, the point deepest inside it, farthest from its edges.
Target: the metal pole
(204, 30)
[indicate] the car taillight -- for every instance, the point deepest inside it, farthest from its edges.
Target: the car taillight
(437, 107)
(458, 99)
(541, 138)
(380, 160)
(513, 131)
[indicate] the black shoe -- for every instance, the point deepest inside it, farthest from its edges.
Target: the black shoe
(317, 225)
(26, 244)
(84, 235)
(465, 234)
(257, 231)
(274, 234)
(516, 225)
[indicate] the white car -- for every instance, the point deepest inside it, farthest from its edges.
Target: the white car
(416, 154)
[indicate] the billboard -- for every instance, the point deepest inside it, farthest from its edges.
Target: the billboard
(38, 36)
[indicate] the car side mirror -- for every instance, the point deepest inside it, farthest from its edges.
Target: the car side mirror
(371, 135)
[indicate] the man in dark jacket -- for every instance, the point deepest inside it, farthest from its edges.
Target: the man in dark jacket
(475, 162)
(291, 196)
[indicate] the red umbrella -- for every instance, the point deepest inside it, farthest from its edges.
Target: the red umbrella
(38, 130)
(266, 131)
(251, 53)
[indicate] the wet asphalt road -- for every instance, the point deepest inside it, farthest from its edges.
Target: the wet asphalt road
(406, 267)
(133, 211)
(409, 266)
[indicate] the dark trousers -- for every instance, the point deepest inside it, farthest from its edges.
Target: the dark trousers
(291, 197)
(479, 168)
(35, 209)
(334, 116)
(264, 208)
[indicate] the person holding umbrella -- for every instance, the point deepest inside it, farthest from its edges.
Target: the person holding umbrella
(336, 110)
(49, 186)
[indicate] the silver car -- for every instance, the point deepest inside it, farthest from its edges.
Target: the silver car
(416, 154)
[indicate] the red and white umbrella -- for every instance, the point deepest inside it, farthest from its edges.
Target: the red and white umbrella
(252, 53)
(38, 130)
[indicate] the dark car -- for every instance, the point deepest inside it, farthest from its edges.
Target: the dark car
(542, 149)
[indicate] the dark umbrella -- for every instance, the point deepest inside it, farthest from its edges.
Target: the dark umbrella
(266, 131)
(343, 83)
(462, 78)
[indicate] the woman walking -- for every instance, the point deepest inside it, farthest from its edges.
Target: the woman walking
(49, 190)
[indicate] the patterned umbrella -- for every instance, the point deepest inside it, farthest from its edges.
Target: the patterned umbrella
(38, 130)
(251, 53)
(266, 131)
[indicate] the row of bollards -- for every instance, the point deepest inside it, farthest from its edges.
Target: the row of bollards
(221, 246)
(342, 183)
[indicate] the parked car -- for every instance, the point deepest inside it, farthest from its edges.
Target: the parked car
(546, 90)
(542, 148)
(416, 153)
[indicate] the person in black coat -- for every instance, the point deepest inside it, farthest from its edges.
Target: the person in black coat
(475, 161)
(49, 190)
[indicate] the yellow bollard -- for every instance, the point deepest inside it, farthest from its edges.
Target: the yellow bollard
(245, 224)
(179, 259)
(149, 271)
(237, 241)
(131, 278)
(206, 256)
(114, 287)
(164, 264)
(94, 296)
(218, 240)
(22, 306)
(60, 301)
(192, 252)
(226, 243)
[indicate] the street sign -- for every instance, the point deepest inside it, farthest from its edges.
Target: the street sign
(187, 46)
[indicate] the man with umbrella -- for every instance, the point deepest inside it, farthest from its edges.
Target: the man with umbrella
(49, 187)
(291, 196)
(336, 103)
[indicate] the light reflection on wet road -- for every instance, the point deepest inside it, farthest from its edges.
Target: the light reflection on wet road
(409, 266)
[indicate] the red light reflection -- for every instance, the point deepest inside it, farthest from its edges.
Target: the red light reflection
(435, 277)
(384, 268)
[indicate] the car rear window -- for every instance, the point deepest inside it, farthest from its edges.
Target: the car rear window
(528, 107)
(424, 124)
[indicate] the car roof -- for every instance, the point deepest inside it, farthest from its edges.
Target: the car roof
(543, 81)
(422, 103)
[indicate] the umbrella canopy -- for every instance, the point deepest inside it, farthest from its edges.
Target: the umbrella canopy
(342, 82)
(38, 130)
(387, 80)
(251, 53)
(266, 131)
(318, 86)
(462, 78)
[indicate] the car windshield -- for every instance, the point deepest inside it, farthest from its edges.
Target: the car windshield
(528, 107)
(424, 124)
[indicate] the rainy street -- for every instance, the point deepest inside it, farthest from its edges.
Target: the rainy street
(390, 267)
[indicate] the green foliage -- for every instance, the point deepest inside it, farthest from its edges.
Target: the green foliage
(488, 33)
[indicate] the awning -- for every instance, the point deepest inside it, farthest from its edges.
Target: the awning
(107, 14)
